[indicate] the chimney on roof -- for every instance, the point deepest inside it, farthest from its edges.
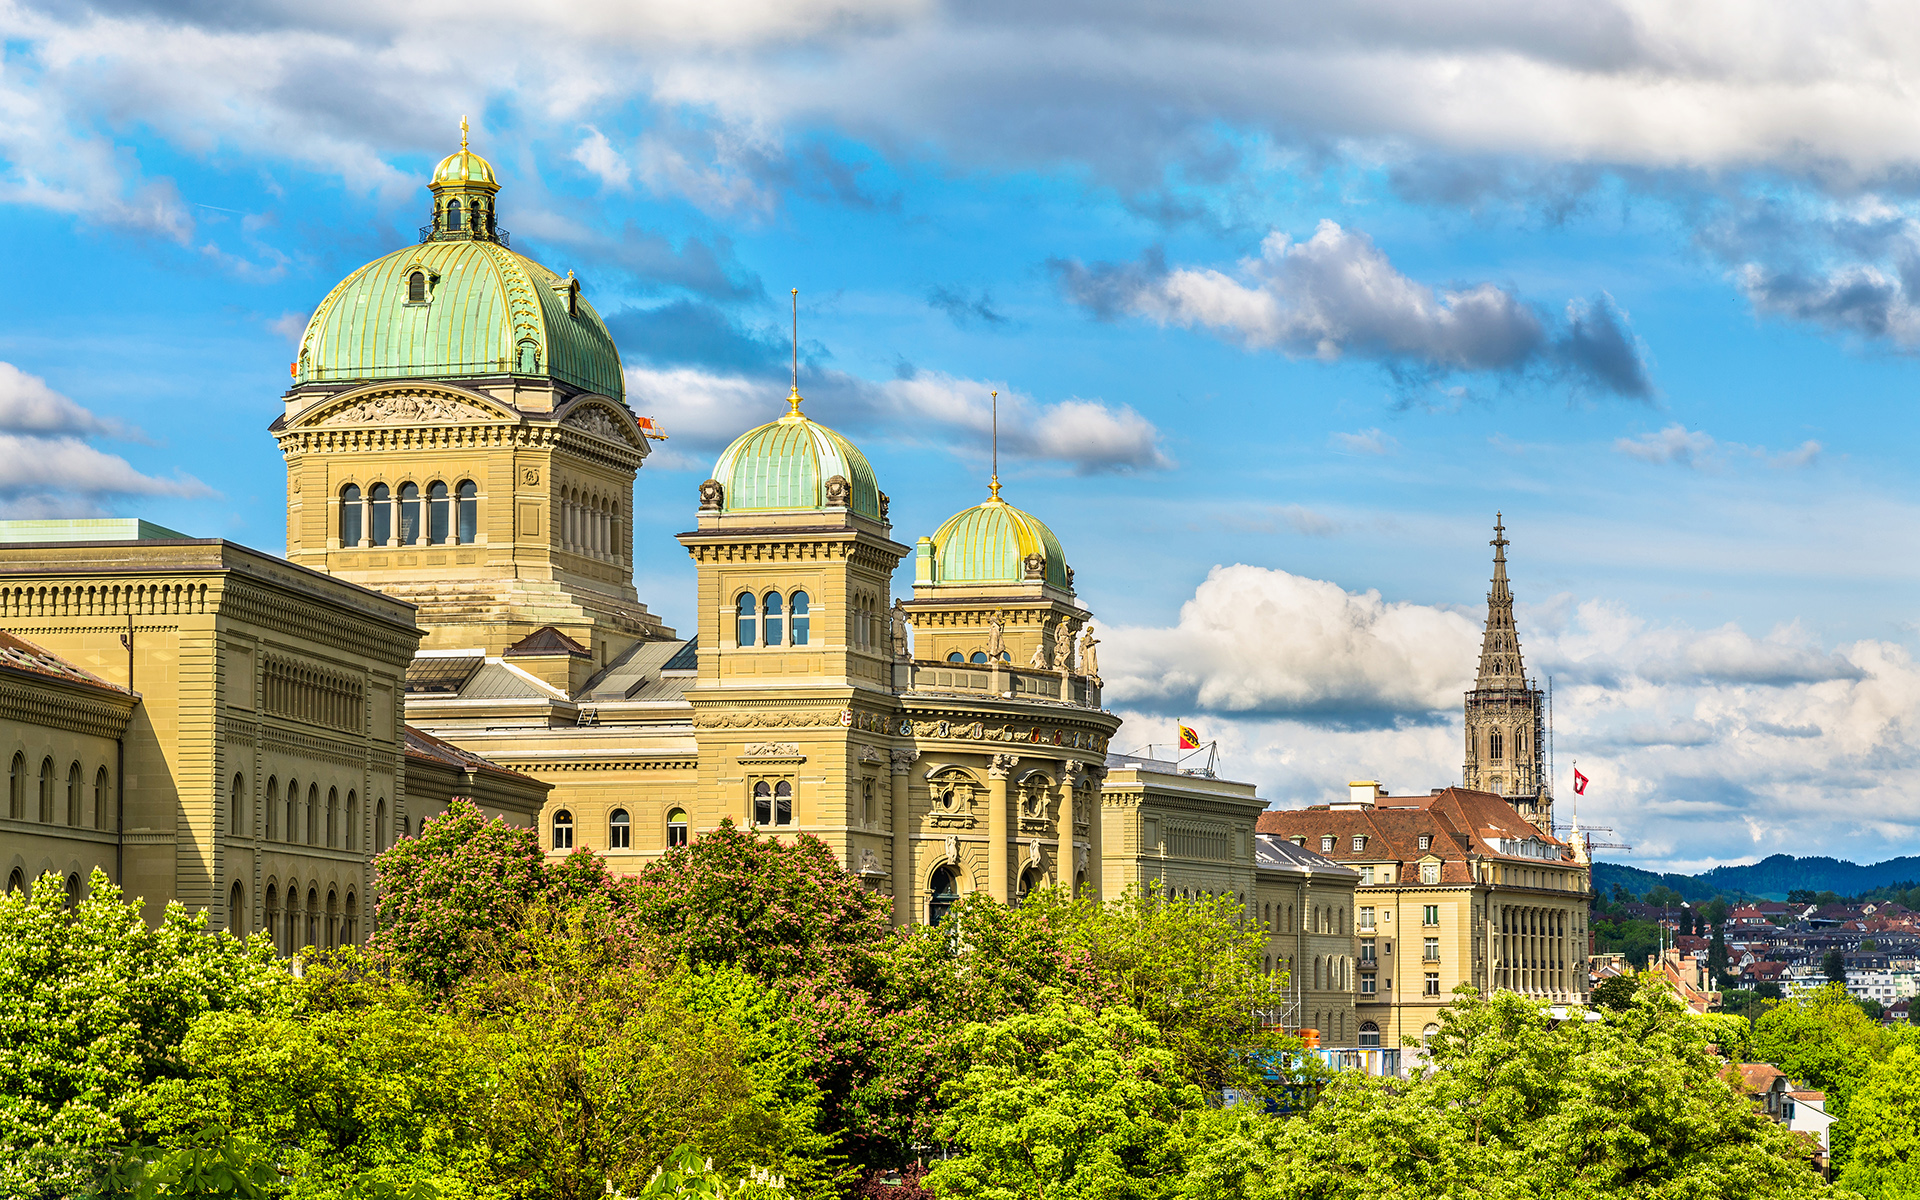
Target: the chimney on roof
(1361, 793)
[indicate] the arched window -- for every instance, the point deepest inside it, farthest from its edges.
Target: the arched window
(352, 839)
(313, 917)
(409, 514)
(100, 801)
(1493, 746)
(271, 912)
(73, 891)
(527, 361)
(273, 807)
(17, 788)
(770, 614)
(453, 214)
(350, 515)
(942, 895)
(46, 791)
(978, 656)
(439, 514)
(797, 610)
(332, 932)
(417, 288)
(380, 825)
(763, 803)
(676, 828)
(380, 506)
(743, 621)
(563, 830)
(293, 810)
(73, 796)
(1029, 880)
(333, 823)
(783, 803)
(350, 928)
(955, 656)
(236, 911)
(313, 814)
(237, 823)
(1079, 882)
(16, 883)
(468, 494)
(619, 831)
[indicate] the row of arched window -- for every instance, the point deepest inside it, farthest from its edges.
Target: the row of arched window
(54, 804)
(772, 619)
(619, 829)
(17, 882)
(978, 656)
(323, 923)
(386, 517)
(310, 694)
(477, 215)
(312, 820)
(590, 524)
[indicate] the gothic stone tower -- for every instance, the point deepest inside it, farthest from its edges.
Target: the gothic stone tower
(1506, 712)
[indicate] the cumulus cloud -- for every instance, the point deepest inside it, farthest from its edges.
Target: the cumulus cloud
(1255, 640)
(47, 467)
(1710, 744)
(1337, 295)
(1676, 445)
(709, 409)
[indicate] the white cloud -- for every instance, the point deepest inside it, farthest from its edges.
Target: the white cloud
(708, 410)
(1366, 441)
(601, 160)
(28, 405)
(1336, 294)
(1674, 444)
(1702, 744)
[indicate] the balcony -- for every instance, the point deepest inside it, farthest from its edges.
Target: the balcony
(1001, 680)
(429, 234)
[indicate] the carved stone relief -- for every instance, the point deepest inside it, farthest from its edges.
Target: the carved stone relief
(407, 406)
(770, 750)
(712, 494)
(597, 422)
(838, 491)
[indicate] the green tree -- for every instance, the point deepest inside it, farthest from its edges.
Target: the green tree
(447, 891)
(93, 1006)
(1717, 954)
(1520, 1105)
(1616, 992)
(1885, 1116)
(1833, 964)
(1715, 911)
(1065, 1103)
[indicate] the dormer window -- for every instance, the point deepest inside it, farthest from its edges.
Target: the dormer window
(1360, 843)
(1426, 841)
(417, 288)
(1326, 844)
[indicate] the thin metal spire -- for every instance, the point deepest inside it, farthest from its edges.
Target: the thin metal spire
(993, 485)
(793, 398)
(463, 134)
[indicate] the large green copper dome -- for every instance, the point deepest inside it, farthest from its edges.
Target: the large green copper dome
(990, 543)
(459, 304)
(486, 311)
(788, 464)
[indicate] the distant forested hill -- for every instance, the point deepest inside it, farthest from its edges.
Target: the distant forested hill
(1770, 878)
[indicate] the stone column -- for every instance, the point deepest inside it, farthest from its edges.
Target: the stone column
(902, 841)
(997, 831)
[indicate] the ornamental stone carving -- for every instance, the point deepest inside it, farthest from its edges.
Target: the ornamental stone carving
(869, 862)
(838, 491)
(407, 407)
(903, 761)
(996, 636)
(598, 422)
(1036, 565)
(1089, 659)
(1001, 764)
(770, 750)
(885, 500)
(1063, 649)
(712, 494)
(953, 850)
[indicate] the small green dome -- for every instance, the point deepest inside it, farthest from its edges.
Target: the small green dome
(788, 464)
(990, 542)
(478, 309)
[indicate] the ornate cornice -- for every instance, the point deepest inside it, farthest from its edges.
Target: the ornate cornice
(45, 701)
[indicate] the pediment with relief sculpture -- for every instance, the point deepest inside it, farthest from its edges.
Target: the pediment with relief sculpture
(601, 420)
(405, 406)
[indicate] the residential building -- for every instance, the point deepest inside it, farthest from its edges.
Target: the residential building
(1308, 908)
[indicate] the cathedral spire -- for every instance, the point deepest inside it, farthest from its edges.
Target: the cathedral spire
(1500, 664)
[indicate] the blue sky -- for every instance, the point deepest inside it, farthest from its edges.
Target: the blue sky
(1284, 304)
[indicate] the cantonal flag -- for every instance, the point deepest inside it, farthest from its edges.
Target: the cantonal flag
(1189, 740)
(1579, 783)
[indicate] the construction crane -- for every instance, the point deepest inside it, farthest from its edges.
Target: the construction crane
(1586, 833)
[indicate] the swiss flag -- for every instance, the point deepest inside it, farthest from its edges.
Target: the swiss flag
(1579, 783)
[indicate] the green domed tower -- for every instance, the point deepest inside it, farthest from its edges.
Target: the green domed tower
(457, 435)
(998, 565)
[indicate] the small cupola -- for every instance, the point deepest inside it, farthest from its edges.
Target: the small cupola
(464, 190)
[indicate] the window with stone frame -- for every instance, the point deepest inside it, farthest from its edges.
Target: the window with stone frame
(1034, 794)
(952, 790)
(868, 814)
(1429, 873)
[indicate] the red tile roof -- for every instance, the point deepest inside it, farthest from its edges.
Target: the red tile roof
(19, 654)
(1457, 822)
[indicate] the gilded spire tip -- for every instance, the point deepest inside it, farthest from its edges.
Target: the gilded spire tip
(793, 397)
(463, 134)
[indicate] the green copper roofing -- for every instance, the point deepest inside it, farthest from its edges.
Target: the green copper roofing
(487, 311)
(989, 543)
(786, 465)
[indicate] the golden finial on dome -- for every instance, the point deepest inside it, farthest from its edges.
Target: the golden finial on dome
(793, 397)
(993, 485)
(463, 133)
